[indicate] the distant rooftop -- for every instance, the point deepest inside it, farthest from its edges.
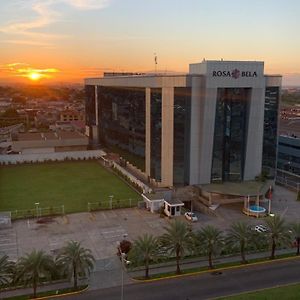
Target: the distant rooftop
(60, 134)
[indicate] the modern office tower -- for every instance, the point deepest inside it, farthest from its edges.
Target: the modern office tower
(217, 123)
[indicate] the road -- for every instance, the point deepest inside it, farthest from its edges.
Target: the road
(204, 286)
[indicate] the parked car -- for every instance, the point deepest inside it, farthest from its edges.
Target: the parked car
(191, 216)
(260, 228)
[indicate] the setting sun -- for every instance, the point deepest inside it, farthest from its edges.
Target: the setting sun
(34, 76)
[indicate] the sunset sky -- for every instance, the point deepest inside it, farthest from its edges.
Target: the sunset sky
(67, 40)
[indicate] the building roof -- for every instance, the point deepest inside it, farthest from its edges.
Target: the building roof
(155, 196)
(174, 202)
(42, 136)
(243, 189)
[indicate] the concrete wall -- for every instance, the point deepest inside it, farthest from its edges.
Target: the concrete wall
(57, 156)
(18, 146)
(148, 132)
(197, 101)
(254, 145)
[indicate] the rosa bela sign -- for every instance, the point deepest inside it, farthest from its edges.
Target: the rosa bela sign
(234, 73)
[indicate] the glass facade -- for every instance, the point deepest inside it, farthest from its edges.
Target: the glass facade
(270, 130)
(182, 116)
(155, 136)
(122, 122)
(230, 134)
(90, 105)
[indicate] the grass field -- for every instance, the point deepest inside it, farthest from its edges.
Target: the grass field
(72, 184)
(291, 292)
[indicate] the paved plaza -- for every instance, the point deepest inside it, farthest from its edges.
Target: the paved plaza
(100, 231)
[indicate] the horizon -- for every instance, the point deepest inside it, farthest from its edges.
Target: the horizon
(65, 41)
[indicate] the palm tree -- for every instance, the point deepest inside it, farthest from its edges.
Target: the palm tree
(177, 240)
(277, 233)
(144, 249)
(6, 270)
(33, 267)
(295, 227)
(210, 241)
(74, 259)
(240, 235)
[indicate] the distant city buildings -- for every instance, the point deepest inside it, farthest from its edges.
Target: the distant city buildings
(217, 123)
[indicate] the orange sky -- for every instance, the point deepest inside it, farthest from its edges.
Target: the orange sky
(68, 40)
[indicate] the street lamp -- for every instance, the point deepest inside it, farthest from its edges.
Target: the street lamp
(124, 262)
(37, 209)
(111, 200)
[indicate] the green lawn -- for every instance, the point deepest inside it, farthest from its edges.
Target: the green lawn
(291, 292)
(72, 184)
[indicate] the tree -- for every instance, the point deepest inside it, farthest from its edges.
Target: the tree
(6, 270)
(240, 235)
(177, 239)
(210, 241)
(295, 227)
(277, 233)
(144, 250)
(34, 267)
(76, 260)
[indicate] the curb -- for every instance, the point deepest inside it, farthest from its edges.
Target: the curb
(217, 269)
(64, 295)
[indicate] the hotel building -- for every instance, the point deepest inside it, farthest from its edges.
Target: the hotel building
(217, 123)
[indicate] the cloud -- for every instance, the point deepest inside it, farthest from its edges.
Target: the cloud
(88, 4)
(28, 42)
(20, 69)
(45, 15)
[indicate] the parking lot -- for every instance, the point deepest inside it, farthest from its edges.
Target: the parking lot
(100, 231)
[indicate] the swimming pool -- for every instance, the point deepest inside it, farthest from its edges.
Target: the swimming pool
(257, 209)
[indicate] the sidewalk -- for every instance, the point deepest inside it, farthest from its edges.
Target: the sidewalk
(199, 262)
(29, 290)
(108, 272)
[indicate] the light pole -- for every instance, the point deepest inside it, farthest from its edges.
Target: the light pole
(111, 200)
(127, 262)
(37, 209)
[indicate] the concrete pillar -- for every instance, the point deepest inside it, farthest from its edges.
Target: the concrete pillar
(148, 132)
(167, 138)
(254, 146)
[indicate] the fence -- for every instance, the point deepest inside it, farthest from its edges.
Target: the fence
(38, 212)
(5, 219)
(112, 204)
(46, 157)
(145, 189)
(288, 179)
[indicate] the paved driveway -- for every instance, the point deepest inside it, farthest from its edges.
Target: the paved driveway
(100, 231)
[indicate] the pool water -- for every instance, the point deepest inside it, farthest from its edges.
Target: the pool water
(256, 208)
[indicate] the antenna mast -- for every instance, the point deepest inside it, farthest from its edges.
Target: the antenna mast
(155, 62)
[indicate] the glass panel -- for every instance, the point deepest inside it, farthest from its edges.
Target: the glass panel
(156, 110)
(90, 105)
(270, 130)
(122, 122)
(182, 116)
(230, 134)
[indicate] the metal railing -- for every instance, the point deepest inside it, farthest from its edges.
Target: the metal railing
(112, 203)
(288, 179)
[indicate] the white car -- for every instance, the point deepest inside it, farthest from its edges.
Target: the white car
(191, 216)
(260, 228)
